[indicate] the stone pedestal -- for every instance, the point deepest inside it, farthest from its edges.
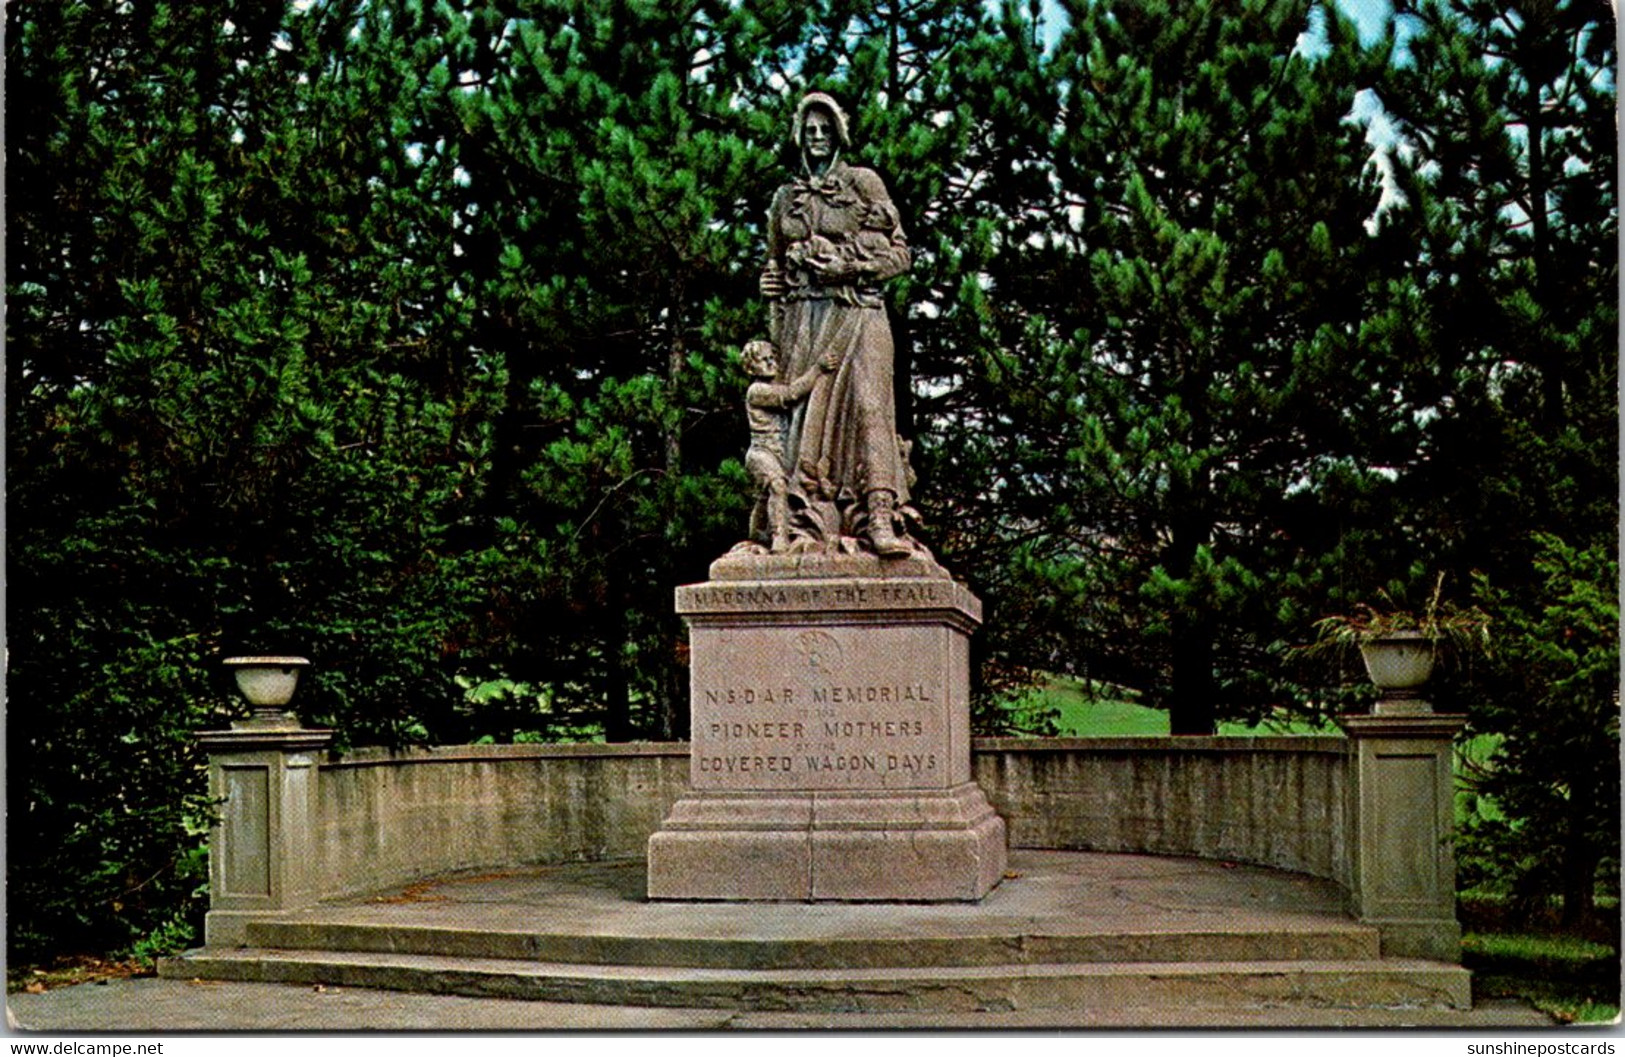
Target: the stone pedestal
(262, 849)
(1402, 810)
(831, 738)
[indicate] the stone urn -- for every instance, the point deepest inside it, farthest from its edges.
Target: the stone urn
(267, 682)
(1399, 663)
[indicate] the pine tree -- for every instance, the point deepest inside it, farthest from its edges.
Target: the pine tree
(620, 157)
(239, 420)
(1508, 181)
(1202, 383)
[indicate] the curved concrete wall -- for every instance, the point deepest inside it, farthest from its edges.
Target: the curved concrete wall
(386, 818)
(1277, 802)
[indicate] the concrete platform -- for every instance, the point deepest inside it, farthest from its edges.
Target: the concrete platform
(1067, 939)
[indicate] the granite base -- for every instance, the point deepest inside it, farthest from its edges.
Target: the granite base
(831, 738)
(859, 847)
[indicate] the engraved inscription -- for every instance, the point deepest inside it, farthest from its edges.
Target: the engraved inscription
(865, 735)
(859, 695)
(823, 707)
(924, 592)
(820, 695)
(750, 695)
(919, 761)
(742, 596)
(744, 764)
(756, 730)
(873, 728)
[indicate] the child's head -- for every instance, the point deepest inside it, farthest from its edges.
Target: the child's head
(761, 359)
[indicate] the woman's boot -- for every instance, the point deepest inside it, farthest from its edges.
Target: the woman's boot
(883, 525)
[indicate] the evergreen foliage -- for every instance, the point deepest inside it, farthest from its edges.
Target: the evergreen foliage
(1509, 185)
(404, 334)
(1551, 825)
(1200, 401)
(1508, 188)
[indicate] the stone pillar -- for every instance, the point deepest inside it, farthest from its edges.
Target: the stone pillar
(830, 751)
(262, 850)
(1402, 808)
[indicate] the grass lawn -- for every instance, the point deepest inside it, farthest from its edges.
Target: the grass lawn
(1569, 977)
(1083, 717)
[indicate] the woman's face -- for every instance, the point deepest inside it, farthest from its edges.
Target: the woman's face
(817, 135)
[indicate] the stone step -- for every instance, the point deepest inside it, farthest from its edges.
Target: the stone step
(1324, 984)
(1347, 941)
(1486, 1015)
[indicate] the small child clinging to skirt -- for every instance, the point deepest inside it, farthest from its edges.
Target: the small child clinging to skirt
(766, 405)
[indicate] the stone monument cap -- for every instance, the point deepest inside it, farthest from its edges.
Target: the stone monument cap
(747, 562)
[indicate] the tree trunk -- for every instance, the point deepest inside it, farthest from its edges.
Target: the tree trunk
(617, 681)
(1193, 709)
(1579, 888)
(671, 687)
(674, 714)
(1550, 357)
(903, 372)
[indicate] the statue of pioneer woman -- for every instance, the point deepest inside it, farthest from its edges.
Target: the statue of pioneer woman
(833, 237)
